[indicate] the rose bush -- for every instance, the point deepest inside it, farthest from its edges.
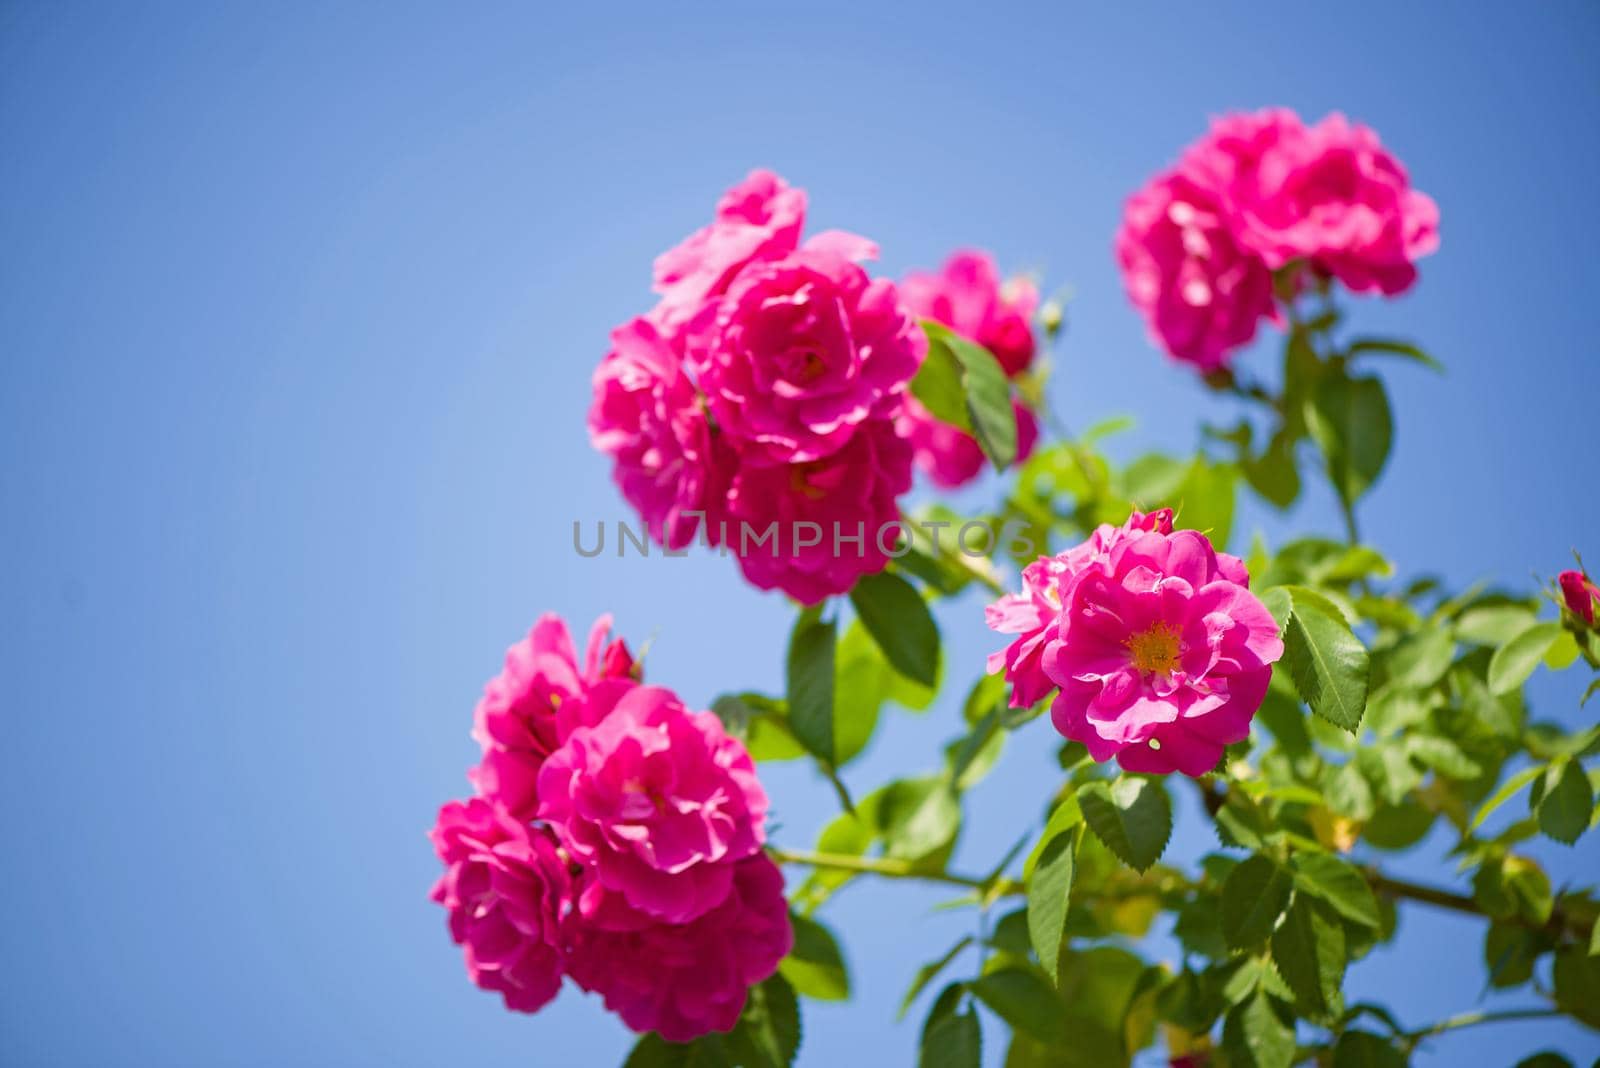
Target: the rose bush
(1325, 713)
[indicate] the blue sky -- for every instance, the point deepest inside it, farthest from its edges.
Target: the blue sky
(298, 312)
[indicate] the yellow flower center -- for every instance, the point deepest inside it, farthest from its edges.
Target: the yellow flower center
(1155, 650)
(800, 481)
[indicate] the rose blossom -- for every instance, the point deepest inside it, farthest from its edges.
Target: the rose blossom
(849, 493)
(1329, 193)
(507, 890)
(1032, 614)
(1161, 652)
(535, 702)
(647, 416)
(684, 980)
(658, 800)
(762, 215)
(759, 218)
(800, 352)
(1580, 594)
(1201, 294)
(967, 296)
(951, 456)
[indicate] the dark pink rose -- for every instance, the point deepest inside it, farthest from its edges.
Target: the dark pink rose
(1201, 293)
(1034, 613)
(1161, 652)
(528, 710)
(658, 800)
(799, 353)
(966, 295)
(648, 417)
(508, 892)
(1330, 194)
(849, 495)
(683, 980)
(1580, 594)
(759, 218)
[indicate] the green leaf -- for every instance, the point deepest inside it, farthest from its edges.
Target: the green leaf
(1326, 660)
(1132, 816)
(1389, 347)
(1065, 816)
(1509, 950)
(1514, 661)
(810, 670)
(939, 387)
(1507, 791)
(928, 972)
(1567, 801)
(653, 1051)
(1577, 978)
(1422, 659)
(1493, 624)
(972, 757)
(1545, 1058)
(1349, 420)
(1253, 897)
(1363, 1049)
(1255, 1035)
(1275, 474)
(1443, 756)
(918, 817)
(768, 1032)
(954, 1041)
(1048, 891)
(861, 679)
(1337, 882)
(814, 966)
(987, 391)
(899, 621)
(1308, 951)
(1022, 998)
(1206, 499)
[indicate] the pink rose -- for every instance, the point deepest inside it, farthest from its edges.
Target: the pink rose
(967, 296)
(647, 416)
(1032, 615)
(508, 891)
(1201, 294)
(528, 710)
(759, 217)
(849, 494)
(949, 455)
(1580, 594)
(686, 980)
(658, 800)
(1330, 194)
(1161, 652)
(799, 353)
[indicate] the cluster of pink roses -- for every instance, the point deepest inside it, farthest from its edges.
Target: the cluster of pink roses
(1199, 244)
(1159, 652)
(768, 389)
(616, 838)
(763, 389)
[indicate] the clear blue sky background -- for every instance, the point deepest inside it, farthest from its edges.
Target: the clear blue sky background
(299, 308)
